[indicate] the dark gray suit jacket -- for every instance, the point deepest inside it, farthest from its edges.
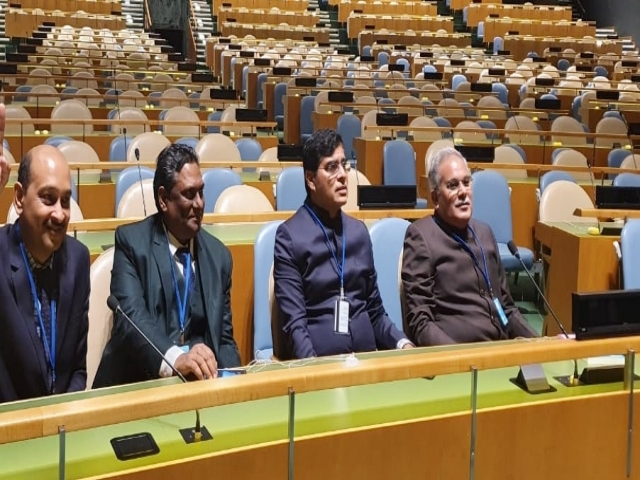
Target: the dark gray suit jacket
(24, 370)
(141, 281)
(446, 295)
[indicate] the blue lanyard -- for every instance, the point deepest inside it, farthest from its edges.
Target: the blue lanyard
(182, 301)
(484, 271)
(339, 266)
(49, 348)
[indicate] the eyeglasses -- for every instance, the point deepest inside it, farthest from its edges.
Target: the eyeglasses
(454, 185)
(333, 167)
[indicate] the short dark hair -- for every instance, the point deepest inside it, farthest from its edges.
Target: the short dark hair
(170, 162)
(24, 171)
(321, 144)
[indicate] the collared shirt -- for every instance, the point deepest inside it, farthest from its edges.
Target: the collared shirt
(37, 266)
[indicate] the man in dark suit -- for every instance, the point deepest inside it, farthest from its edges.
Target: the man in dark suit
(174, 281)
(325, 280)
(455, 288)
(44, 284)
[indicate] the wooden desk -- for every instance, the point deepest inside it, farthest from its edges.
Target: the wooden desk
(357, 23)
(354, 417)
(499, 27)
(292, 104)
(577, 262)
(22, 23)
(460, 4)
(425, 39)
(320, 35)
(480, 11)
(521, 45)
(387, 7)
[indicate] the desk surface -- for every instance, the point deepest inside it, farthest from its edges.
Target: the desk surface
(256, 422)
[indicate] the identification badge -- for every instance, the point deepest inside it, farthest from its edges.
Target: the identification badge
(500, 310)
(184, 348)
(341, 316)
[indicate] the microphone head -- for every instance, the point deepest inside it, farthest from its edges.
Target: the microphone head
(112, 303)
(124, 131)
(511, 245)
(136, 152)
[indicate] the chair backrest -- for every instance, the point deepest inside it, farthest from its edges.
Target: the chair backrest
(399, 163)
(507, 155)
(250, 149)
(355, 178)
(130, 113)
(492, 203)
(553, 176)
(387, 239)
(627, 180)
(57, 140)
(130, 176)
(131, 203)
(574, 158)
(71, 110)
(567, 124)
(349, 128)
(149, 145)
(216, 147)
(182, 114)
(560, 199)
(76, 214)
(433, 149)
(290, 189)
(242, 199)
(630, 245)
(16, 112)
(264, 304)
(100, 315)
(216, 180)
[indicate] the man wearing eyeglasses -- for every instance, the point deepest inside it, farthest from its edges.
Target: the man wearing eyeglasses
(325, 281)
(455, 289)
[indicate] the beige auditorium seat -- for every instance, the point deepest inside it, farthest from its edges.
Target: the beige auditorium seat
(71, 110)
(355, 178)
(631, 162)
(80, 152)
(573, 158)
(242, 199)
(52, 97)
(269, 155)
(569, 125)
(433, 148)
(610, 125)
(508, 155)
(83, 80)
(173, 97)
(133, 114)
(38, 76)
(522, 123)
(497, 109)
(132, 98)
(216, 147)
(182, 114)
(229, 115)
(149, 146)
(476, 136)
(560, 199)
(17, 112)
(93, 98)
(76, 214)
(132, 205)
(100, 316)
(425, 135)
(412, 106)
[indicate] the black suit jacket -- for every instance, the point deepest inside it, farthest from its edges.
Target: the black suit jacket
(24, 370)
(141, 281)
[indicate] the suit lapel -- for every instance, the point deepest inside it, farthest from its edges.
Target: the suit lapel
(162, 258)
(207, 271)
(65, 295)
(24, 300)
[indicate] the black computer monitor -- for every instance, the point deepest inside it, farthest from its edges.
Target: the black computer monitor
(624, 198)
(605, 314)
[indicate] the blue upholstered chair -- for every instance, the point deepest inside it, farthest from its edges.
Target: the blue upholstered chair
(630, 245)
(492, 205)
(399, 166)
(349, 127)
(627, 180)
(290, 191)
(306, 122)
(264, 305)
(216, 180)
(57, 140)
(118, 148)
(189, 141)
(387, 239)
(129, 176)
(279, 91)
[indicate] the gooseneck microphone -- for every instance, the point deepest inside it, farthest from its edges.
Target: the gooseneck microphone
(190, 435)
(513, 249)
(136, 152)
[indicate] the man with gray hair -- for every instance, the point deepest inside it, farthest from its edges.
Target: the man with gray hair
(455, 289)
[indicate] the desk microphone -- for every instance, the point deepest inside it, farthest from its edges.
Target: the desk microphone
(514, 251)
(190, 435)
(136, 152)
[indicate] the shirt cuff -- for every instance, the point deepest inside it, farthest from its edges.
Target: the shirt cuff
(172, 356)
(402, 342)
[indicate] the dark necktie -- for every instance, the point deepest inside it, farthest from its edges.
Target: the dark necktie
(183, 256)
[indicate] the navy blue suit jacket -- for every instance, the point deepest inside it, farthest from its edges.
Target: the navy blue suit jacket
(307, 285)
(24, 370)
(141, 281)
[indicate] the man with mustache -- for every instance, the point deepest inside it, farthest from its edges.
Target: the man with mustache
(174, 280)
(44, 284)
(455, 289)
(325, 280)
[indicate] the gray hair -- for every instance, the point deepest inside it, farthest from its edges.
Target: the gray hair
(435, 160)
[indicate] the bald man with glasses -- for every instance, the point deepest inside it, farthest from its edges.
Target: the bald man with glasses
(455, 289)
(325, 281)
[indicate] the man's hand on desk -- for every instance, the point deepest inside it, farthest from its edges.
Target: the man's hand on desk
(408, 345)
(200, 363)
